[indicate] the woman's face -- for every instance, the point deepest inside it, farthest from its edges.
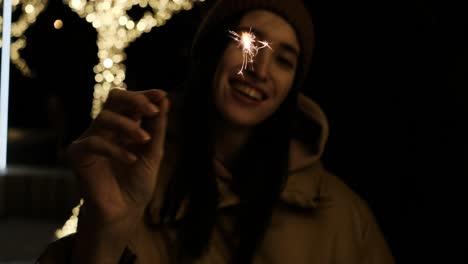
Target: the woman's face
(247, 99)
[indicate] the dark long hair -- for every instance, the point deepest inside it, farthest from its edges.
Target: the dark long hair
(259, 173)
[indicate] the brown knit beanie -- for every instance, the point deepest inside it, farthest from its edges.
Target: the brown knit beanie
(293, 11)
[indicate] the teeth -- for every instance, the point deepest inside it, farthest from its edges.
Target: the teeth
(252, 93)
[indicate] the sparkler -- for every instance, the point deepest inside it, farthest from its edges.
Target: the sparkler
(250, 47)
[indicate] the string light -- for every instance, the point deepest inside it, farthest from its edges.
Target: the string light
(71, 224)
(29, 10)
(116, 30)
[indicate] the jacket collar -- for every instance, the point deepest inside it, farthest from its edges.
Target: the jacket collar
(303, 185)
(302, 188)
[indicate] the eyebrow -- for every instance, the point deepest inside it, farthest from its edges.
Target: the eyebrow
(283, 45)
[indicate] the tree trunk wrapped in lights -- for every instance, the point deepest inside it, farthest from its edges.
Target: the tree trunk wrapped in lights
(116, 30)
(28, 12)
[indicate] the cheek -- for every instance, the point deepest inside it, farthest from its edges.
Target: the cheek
(233, 52)
(228, 63)
(286, 86)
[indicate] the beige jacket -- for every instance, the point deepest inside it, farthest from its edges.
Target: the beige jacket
(319, 220)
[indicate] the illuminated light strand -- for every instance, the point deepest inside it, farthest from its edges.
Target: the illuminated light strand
(4, 85)
(71, 224)
(115, 31)
(30, 9)
(248, 43)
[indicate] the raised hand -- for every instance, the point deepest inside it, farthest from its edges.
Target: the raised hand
(117, 158)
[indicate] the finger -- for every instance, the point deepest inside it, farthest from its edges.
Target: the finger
(82, 151)
(155, 95)
(123, 127)
(157, 127)
(130, 103)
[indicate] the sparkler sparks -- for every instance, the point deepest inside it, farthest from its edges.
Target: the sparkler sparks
(250, 47)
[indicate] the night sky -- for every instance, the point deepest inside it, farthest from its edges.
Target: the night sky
(390, 75)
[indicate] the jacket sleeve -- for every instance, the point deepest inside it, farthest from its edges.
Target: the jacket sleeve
(59, 252)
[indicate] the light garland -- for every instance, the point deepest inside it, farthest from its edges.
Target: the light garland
(115, 31)
(71, 224)
(30, 9)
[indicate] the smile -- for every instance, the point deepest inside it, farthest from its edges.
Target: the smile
(250, 92)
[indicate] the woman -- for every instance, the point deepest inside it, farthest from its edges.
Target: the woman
(233, 173)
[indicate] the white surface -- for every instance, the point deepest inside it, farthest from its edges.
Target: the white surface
(4, 82)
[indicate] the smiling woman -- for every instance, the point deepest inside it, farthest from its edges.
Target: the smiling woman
(232, 173)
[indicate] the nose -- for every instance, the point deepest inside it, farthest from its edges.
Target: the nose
(261, 64)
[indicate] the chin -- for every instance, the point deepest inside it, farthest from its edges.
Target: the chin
(242, 120)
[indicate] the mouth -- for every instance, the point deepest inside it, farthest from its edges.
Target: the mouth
(249, 91)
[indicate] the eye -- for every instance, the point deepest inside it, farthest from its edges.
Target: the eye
(285, 62)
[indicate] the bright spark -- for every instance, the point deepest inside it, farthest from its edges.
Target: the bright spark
(250, 47)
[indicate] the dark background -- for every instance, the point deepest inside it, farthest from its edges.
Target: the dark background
(391, 77)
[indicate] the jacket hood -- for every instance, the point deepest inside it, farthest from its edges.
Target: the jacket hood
(310, 134)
